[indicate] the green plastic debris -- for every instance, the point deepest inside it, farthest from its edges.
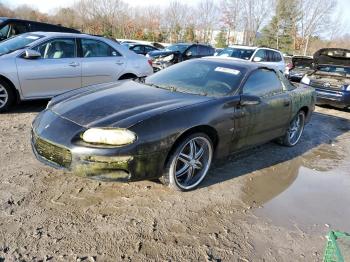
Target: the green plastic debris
(337, 249)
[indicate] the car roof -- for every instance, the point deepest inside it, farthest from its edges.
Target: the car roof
(64, 34)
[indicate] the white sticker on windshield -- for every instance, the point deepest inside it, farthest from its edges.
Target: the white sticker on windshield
(227, 70)
(32, 37)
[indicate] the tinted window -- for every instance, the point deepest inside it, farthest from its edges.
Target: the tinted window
(193, 50)
(17, 29)
(57, 49)
(278, 57)
(4, 31)
(261, 54)
(139, 49)
(237, 53)
(199, 77)
(95, 48)
(203, 50)
(149, 49)
(262, 82)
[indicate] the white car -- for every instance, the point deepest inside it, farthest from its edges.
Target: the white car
(41, 65)
(270, 57)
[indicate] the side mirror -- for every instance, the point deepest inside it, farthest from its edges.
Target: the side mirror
(257, 59)
(31, 54)
(188, 53)
(247, 100)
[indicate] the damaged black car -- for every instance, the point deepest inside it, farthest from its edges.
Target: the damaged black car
(177, 53)
(300, 65)
(173, 124)
(331, 77)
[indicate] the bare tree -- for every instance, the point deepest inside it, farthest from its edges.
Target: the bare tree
(207, 19)
(231, 17)
(314, 17)
(256, 12)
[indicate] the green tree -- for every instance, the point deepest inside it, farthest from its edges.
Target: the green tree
(190, 35)
(280, 33)
(220, 39)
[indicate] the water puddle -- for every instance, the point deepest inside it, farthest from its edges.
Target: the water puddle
(296, 193)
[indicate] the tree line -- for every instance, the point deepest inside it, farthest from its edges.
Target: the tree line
(293, 26)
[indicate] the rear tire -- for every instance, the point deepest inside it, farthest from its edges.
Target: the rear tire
(294, 131)
(7, 96)
(189, 163)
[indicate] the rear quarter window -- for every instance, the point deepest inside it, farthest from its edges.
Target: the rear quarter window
(262, 82)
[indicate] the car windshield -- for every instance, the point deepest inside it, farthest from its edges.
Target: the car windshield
(237, 53)
(200, 77)
(334, 70)
(303, 63)
(17, 42)
(180, 48)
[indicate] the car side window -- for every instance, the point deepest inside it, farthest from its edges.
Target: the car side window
(193, 50)
(58, 48)
(203, 50)
(278, 57)
(96, 48)
(261, 53)
(138, 49)
(149, 49)
(17, 29)
(262, 82)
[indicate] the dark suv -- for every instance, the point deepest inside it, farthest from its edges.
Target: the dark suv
(11, 26)
(177, 53)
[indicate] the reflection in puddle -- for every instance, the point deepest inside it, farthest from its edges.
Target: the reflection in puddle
(291, 193)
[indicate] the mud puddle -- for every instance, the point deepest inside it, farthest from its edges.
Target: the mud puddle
(296, 194)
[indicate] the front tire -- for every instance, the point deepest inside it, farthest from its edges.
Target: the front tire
(294, 131)
(7, 96)
(189, 163)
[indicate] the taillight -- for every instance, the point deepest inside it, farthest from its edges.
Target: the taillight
(150, 62)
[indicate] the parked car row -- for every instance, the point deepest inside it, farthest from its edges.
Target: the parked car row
(43, 64)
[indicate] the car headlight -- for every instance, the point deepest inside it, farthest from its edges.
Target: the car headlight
(346, 87)
(305, 80)
(168, 58)
(109, 136)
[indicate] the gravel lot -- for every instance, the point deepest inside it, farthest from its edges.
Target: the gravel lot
(267, 204)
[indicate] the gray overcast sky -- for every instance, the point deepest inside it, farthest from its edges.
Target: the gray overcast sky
(49, 5)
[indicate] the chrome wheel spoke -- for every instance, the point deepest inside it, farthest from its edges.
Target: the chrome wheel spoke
(189, 177)
(182, 171)
(199, 153)
(192, 149)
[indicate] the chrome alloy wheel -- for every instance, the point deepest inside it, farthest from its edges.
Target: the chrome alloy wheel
(296, 128)
(4, 96)
(192, 163)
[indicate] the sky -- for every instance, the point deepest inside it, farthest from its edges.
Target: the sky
(48, 6)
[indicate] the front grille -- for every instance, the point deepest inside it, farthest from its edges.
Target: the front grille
(52, 153)
(324, 85)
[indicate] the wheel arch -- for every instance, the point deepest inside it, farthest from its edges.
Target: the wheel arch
(127, 76)
(206, 129)
(12, 85)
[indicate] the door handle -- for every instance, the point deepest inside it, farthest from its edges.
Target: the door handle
(119, 63)
(73, 64)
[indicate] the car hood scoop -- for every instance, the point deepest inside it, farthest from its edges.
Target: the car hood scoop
(121, 105)
(332, 56)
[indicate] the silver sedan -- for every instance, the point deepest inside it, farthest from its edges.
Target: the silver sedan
(41, 65)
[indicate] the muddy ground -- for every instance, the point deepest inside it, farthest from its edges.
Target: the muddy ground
(268, 204)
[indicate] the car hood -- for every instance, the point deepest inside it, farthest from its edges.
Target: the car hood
(332, 56)
(161, 53)
(122, 104)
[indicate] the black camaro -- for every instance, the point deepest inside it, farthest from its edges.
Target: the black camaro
(172, 125)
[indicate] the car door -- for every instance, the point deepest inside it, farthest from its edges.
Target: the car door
(260, 122)
(56, 71)
(101, 63)
(191, 52)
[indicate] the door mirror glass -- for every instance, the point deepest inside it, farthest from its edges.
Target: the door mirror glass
(250, 100)
(188, 53)
(31, 54)
(257, 59)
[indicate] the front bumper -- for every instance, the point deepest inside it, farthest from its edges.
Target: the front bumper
(160, 65)
(60, 150)
(337, 98)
